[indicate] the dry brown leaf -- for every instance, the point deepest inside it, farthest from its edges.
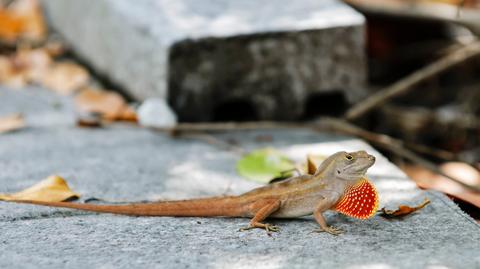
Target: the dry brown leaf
(11, 123)
(403, 210)
(427, 180)
(127, 114)
(26, 65)
(33, 25)
(36, 66)
(89, 123)
(65, 78)
(55, 48)
(106, 103)
(22, 19)
(33, 63)
(109, 105)
(313, 161)
(6, 67)
(10, 75)
(52, 189)
(11, 26)
(311, 165)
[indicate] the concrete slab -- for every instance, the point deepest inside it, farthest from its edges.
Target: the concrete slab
(125, 163)
(40, 107)
(270, 56)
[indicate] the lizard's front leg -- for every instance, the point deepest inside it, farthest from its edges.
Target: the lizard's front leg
(262, 209)
(322, 222)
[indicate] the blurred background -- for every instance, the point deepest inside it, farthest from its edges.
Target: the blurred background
(402, 70)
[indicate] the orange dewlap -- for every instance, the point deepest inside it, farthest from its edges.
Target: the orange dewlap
(360, 201)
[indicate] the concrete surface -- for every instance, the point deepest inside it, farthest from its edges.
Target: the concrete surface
(205, 55)
(126, 163)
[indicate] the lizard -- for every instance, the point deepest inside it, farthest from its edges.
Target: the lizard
(339, 184)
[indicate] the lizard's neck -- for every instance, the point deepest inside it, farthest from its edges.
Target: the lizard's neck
(359, 201)
(338, 185)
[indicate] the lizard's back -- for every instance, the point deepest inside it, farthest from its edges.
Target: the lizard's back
(298, 195)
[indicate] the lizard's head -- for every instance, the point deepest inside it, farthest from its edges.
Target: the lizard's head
(352, 165)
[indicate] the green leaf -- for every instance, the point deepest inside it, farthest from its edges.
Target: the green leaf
(262, 165)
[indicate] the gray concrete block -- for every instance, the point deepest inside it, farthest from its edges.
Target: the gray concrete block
(40, 107)
(208, 55)
(128, 163)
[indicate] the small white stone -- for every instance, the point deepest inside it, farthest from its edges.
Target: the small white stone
(155, 112)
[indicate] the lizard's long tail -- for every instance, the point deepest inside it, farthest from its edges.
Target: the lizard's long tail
(208, 207)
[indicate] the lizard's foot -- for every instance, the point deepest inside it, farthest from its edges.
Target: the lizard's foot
(329, 229)
(268, 227)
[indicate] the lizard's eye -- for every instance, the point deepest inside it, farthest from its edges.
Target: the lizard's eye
(349, 157)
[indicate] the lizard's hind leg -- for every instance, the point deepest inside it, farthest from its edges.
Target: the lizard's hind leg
(263, 209)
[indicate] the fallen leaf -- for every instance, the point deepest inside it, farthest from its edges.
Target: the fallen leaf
(33, 27)
(311, 165)
(52, 189)
(264, 164)
(23, 19)
(313, 161)
(28, 65)
(127, 114)
(9, 74)
(90, 122)
(11, 26)
(308, 168)
(65, 77)
(32, 63)
(403, 210)
(283, 176)
(428, 180)
(55, 48)
(24, 66)
(109, 105)
(11, 123)
(6, 66)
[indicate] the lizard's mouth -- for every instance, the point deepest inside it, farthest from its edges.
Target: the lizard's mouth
(361, 167)
(365, 167)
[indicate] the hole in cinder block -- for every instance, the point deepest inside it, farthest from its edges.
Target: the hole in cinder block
(235, 110)
(331, 103)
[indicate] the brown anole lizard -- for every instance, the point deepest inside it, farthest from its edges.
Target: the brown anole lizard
(338, 184)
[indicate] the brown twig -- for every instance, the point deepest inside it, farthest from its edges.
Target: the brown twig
(407, 84)
(391, 144)
(441, 154)
(230, 126)
(323, 124)
(460, 5)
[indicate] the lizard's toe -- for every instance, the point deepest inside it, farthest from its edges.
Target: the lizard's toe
(271, 228)
(243, 229)
(268, 227)
(330, 229)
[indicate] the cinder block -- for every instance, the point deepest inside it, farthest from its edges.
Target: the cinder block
(257, 58)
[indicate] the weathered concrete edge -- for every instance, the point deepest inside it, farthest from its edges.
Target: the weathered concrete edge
(149, 59)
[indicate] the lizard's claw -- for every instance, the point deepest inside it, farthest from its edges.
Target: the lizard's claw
(329, 229)
(271, 228)
(268, 227)
(243, 229)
